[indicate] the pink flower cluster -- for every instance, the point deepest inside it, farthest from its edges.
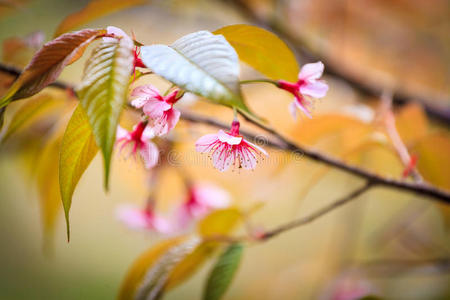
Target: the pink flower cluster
(201, 199)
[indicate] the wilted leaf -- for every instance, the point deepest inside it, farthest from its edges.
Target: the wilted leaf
(222, 273)
(49, 62)
(78, 148)
(93, 10)
(262, 50)
(201, 63)
(103, 92)
(29, 111)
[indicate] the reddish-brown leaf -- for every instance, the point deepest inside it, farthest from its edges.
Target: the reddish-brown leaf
(49, 62)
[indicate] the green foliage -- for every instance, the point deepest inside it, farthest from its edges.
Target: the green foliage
(78, 148)
(222, 273)
(49, 62)
(103, 92)
(201, 63)
(262, 50)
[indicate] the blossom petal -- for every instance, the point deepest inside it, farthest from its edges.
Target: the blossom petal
(162, 225)
(258, 148)
(148, 134)
(222, 157)
(247, 158)
(146, 91)
(173, 116)
(211, 195)
(311, 71)
(293, 109)
(204, 143)
(155, 108)
(150, 154)
(121, 133)
(228, 138)
(132, 216)
(302, 108)
(316, 89)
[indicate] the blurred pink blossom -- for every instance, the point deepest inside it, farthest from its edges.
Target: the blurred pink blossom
(201, 199)
(142, 219)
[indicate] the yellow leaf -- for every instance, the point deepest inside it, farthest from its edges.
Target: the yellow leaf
(78, 148)
(35, 108)
(262, 50)
(411, 122)
(47, 183)
(93, 10)
(219, 222)
(434, 160)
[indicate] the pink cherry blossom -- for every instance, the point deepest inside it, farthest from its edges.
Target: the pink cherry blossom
(142, 219)
(139, 138)
(307, 85)
(201, 199)
(230, 148)
(162, 117)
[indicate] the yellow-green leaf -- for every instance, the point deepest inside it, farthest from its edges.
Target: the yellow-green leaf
(49, 62)
(78, 148)
(34, 108)
(103, 92)
(219, 222)
(93, 10)
(262, 50)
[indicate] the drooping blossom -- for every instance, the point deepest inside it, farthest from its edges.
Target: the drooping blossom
(307, 85)
(162, 117)
(142, 219)
(201, 199)
(139, 140)
(230, 148)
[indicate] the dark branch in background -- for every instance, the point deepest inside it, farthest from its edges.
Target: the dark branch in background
(439, 112)
(284, 144)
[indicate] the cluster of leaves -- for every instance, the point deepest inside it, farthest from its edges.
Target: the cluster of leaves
(103, 94)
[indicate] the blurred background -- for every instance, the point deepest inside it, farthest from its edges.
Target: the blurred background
(393, 244)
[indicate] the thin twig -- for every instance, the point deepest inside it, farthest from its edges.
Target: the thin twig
(284, 144)
(318, 213)
(432, 106)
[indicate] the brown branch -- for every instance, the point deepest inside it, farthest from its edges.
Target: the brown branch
(284, 144)
(439, 112)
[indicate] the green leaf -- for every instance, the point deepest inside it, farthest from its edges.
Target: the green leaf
(2, 117)
(93, 10)
(78, 148)
(49, 62)
(222, 273)
(103, 92)
(262, 50)
(202, 63)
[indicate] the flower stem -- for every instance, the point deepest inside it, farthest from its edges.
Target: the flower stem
(259, 81)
